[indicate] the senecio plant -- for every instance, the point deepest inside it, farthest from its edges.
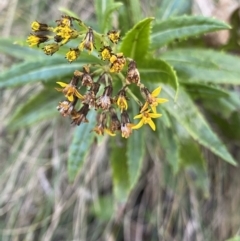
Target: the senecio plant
(93, 87)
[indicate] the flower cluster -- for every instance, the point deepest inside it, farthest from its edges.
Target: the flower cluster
(96, 87)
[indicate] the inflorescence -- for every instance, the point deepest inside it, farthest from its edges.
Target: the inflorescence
(99, 86)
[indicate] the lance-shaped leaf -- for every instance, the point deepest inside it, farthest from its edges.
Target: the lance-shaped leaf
(208, 66)
(135, 43)
(42, 70)
(16, 49)
(192, 161)
(188, 115)
(104, 9)
(170, 8)
(183, 27)
(135, 152)
(170, 145)
(79, 148)
(118, 160)
(41, 106)
(201, 90)
(157, 71)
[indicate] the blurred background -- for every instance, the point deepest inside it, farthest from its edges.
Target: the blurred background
(38, 203)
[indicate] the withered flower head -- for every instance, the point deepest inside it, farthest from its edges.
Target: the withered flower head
(101, 124)
(104, 100)
(95, 87)
(133, 75)
(86, 77)
(126, 125)
(115, 124)
(65, 108)
(80, 116)
(88, 41)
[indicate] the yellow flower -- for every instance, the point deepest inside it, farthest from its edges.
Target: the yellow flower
(34, 39)
(122, 101)
(69, 91)
(36, 26)
(64, 34)
(114, 36)
(117, 62)
(146, 118)
(106, 52)
(65, 21)
(50, 49)
(72, 54)
(88, 41)
(151, 99)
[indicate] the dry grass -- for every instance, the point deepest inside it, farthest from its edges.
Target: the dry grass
(38, 203)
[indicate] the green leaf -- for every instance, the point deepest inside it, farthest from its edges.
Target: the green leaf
(193, 163)
(136, 41)
(183, 27)
(201, 90)
(16, 49)
(118, 160)
(104, 9)
(135, 153)
(135, 9)
(226, 105)
(170, 145)
(170, 8)
(42, 70)
(80, 146)
(157, 71)
(103, 208)
(41, 106)
(187, 114)
(207, 66)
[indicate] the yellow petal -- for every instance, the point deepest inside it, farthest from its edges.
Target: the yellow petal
(154, 115)
(145, 106)
(58, 89)
(156, 92)
(160, 101)
(152, 125)
(70, 97)
(154, 109)
(109, 132)
(78, 94)
(138, 116)
(137, 126)
(62, 84)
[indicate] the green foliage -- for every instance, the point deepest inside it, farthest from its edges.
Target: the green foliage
(80, 147)
(183, 27)
(104, 10)
(199, 84)
(205, 66)
(135, 43)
